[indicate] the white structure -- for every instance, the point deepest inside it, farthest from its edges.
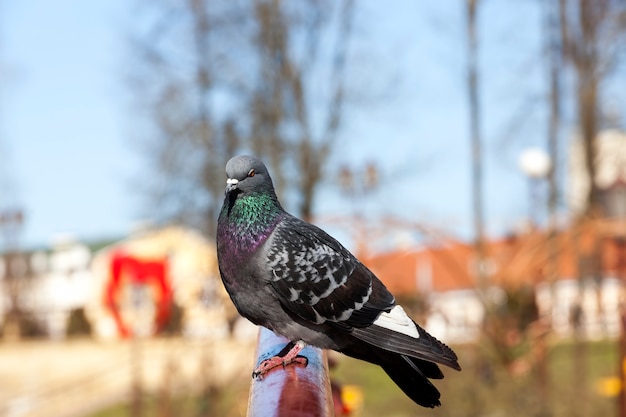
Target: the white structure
(63, 286)
(457, 316)
(610, 166)
(599, 307)
(50, 284)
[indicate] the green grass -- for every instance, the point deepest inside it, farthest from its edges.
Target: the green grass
(483, 388)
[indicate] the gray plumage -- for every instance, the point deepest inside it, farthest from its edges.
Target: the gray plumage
(295, 279)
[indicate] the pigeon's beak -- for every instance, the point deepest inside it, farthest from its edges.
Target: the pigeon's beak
(231, 184)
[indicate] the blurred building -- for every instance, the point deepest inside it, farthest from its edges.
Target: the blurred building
(444, 276)
(161, 280)
(42, 287)
(440, 276)
(576, 280)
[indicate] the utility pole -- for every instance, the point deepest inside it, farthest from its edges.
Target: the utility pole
(476, 146)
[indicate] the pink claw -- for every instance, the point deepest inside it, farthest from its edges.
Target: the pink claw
(289, 358)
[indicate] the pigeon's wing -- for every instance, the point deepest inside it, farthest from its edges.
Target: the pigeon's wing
(396, 332)
(319, 280)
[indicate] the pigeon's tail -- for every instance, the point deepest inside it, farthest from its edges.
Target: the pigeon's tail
(411, 375)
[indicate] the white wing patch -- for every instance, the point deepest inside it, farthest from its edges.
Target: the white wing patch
(398, 321)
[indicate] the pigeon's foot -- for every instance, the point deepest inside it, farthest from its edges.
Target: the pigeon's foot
(282, 359)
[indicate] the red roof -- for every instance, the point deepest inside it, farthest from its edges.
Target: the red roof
(512, 261)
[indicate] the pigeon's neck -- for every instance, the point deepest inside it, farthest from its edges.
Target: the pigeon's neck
(249, 220)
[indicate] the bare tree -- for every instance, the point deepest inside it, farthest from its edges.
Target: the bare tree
(591, 32)
(290, 119)
(216, 78)
(174, 73)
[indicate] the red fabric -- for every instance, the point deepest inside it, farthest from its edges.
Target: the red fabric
(127, 269)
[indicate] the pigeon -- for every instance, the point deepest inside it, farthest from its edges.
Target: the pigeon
(293, 278)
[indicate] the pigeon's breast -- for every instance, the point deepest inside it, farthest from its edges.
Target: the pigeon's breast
(237, 245)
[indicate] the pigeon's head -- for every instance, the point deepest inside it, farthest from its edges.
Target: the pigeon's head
(247, 173)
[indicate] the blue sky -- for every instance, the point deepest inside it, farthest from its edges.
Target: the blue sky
(66, 123)
(63, 120)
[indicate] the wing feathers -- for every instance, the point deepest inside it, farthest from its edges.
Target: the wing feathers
(319, 280)
(425, 347)
(396, 320)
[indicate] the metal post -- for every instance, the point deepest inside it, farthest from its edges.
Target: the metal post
(292, 391)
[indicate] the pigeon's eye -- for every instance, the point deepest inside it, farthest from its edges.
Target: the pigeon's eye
(251, 173)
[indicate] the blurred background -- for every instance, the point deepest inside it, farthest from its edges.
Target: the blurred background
(472, 153)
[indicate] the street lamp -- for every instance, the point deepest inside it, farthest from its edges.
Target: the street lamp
(535, 164)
